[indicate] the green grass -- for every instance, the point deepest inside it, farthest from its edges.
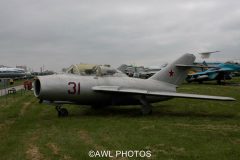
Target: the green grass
(177, 129)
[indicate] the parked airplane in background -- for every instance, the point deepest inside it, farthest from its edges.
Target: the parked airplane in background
(220, 72)
(117, 89)
(8, 72)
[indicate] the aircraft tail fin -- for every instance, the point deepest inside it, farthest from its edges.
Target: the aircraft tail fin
(205, 63)
(176, 72)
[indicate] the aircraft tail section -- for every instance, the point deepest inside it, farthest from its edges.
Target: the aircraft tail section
(176, 72)
(205, 63)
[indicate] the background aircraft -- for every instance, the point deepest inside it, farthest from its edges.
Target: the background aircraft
(221, 72)
(9, 72)
(140, 71)
(105, 89)
(205, 55)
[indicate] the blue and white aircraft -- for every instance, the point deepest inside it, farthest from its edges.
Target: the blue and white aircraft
(222, 71)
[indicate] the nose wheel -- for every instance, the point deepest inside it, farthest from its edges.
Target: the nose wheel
(62, 112)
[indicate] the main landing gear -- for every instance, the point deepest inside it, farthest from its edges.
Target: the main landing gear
(146, 107)
(62, 112)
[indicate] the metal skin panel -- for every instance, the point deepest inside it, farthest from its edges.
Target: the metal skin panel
(57, 87)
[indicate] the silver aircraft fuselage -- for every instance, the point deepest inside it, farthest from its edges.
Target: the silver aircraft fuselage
(78, 89)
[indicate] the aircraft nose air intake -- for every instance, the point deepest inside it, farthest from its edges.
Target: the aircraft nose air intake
(37, 87)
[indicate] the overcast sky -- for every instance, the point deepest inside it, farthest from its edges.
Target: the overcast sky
(58, 33)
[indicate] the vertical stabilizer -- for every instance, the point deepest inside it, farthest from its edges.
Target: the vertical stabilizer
(176, 72)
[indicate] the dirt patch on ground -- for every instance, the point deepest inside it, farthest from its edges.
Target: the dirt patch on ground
(65, 157)
(54, 148)
(56, 151)
(6, 124)
(32, 152)
(87, 139)
(24, 108)
(84, 135)
(236, 141)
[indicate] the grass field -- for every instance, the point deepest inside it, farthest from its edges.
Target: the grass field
(177, 129)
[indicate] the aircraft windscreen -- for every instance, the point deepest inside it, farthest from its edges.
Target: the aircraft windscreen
(98, 70)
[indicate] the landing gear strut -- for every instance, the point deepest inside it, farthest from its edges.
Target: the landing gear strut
(62, 112)
(146, 107)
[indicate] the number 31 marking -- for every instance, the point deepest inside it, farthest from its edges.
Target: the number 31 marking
(74, 88)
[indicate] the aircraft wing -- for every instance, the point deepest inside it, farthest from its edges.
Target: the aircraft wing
(226, 70)
(117, 89)
(55, 102)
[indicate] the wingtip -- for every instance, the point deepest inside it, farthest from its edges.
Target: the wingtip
(229, 99)
(233, 99)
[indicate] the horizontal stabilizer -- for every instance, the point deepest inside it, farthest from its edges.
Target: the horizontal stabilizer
(118, 89)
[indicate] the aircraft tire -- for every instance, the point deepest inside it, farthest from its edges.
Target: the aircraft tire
(95, 107)
(98, 107)
(63, 112)
(147, 113)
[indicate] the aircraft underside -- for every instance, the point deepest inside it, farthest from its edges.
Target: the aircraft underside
(115, 100)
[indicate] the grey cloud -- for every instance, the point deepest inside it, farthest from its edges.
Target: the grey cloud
(58, 33)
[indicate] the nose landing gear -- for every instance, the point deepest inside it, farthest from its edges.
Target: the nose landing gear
(62, 112)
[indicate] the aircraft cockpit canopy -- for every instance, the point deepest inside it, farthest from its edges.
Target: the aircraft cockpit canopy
(94, 70)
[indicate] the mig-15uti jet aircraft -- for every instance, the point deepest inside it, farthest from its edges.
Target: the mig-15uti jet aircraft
(103, 89)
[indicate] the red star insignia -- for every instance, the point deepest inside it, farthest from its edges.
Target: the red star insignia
(171, 73)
